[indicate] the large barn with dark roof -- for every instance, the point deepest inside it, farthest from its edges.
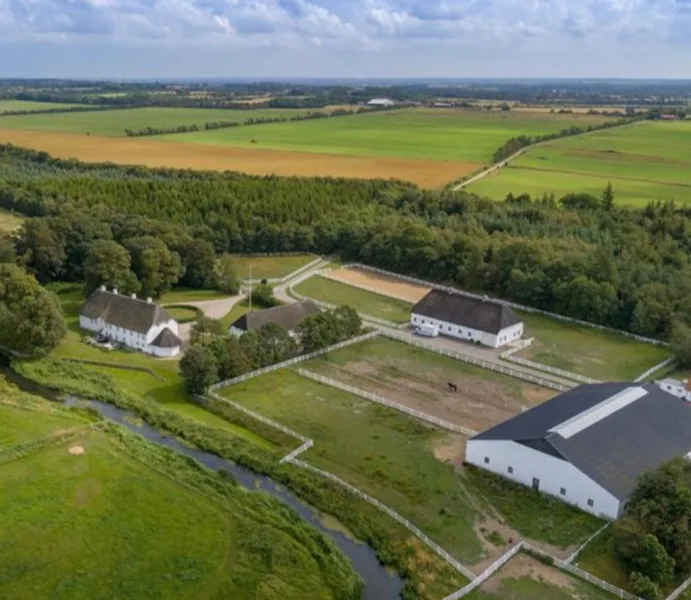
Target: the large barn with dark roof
(471, 319)
(590, 445)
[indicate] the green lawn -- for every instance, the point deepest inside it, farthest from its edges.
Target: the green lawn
(644, 162)
(269, 267)
(239, 309)
(114, 122)
(18, 425)
(184, 314)
(369, 303)
(459, 135)
(181, 295)
(9, 221)
(392, 457)
(104, 525)
(15, 105)
(588, 351)
(599, 558)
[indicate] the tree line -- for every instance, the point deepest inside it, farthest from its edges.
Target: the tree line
(340, 112)
(581, 256)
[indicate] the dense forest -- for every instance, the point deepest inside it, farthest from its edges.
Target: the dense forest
(580, 256)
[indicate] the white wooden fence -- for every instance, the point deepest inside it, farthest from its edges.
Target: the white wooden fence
(280, 280)
(395, 405)
(293, 361)
(680, 590)
(486, 574)
(393, 514)
(478, 362)
(578, 550)
(649, 372)
(509, 356)
(522, 307)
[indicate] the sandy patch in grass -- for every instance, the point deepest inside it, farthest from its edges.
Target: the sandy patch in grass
(381, 284)
(451, 450)
(152, 153)
(523, 565)
(77, 450)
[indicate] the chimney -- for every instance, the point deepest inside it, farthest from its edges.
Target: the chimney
(103, 288)
(133, 296)
(149, 300)
(115, 291)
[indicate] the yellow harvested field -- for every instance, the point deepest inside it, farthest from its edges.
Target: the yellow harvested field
(428, 173)
(381, 284)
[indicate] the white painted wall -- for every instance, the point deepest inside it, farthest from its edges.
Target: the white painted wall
(676, 388)
(504, 337)
(554, 474)
(133, 339)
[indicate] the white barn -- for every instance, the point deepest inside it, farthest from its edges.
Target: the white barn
(588, 446)
(137, 324)
(288, 316)
(469, 319)
(381, 102)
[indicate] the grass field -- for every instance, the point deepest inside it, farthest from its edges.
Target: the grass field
(469, 136)
(9, 221)
(269, 267)
(525, 578)
(644, 162)
(418, 379)
(587, 351)
(114, 122)
(183, 314)
(369, 303)
(15, 105)
(118, 498)
(18, 426)
(402, 462)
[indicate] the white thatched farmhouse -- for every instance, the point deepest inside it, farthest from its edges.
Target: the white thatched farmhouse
(588, 446)
(137, 324)
(470, 319)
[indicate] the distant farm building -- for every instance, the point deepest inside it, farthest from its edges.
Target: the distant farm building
(469, 319)
(288, 316)
(680, 389)
(136, 324)
(381, 102)
(588, 446)
(669, 117)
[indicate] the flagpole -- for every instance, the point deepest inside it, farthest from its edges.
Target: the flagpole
(250, 287)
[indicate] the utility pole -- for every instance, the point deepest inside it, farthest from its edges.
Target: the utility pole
(250, 287)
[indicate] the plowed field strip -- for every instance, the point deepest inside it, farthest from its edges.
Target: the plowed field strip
(430, 173)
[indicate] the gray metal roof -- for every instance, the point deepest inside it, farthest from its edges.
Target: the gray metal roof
(288, 316)
(614, 449)
(124, 311)
(483, 315)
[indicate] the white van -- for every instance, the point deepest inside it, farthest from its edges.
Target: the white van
(427, 330)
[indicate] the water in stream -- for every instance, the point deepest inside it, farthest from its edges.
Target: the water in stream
(380, 583)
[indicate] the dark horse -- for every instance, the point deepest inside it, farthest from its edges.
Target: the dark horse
(453, 387)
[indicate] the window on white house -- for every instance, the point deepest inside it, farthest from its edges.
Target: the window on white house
(510, 469)
(590, 502)
(486, 460)
(562, 491)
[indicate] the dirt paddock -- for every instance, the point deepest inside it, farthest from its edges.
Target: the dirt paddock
(387, 286)
(153, 153)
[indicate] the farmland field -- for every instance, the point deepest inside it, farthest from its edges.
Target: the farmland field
(401, 462)
(369, 303)
(15, 105)
(114, 122)
(418, 379)
(466, 136)
(644, 162)
(587, 351)
(97, 501)
(269, 267)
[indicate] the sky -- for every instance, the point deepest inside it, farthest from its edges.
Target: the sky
(274, 39)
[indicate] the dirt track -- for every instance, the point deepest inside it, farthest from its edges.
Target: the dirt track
(153, 153)
(388, 286)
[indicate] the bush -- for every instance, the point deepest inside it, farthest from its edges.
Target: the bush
(644, 587)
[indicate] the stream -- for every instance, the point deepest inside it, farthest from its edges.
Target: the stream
(380, 584)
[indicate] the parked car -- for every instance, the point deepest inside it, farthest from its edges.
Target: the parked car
(427, 330)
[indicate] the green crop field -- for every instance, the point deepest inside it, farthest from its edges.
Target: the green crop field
(587, 351)
(458, 135)
(644, 162)
(14, 105)
(394, 458)
(108, 496)
(369, 303)
(269, 267)
(114, 122)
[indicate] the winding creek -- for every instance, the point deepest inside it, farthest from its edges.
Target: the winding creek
(380, 584)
